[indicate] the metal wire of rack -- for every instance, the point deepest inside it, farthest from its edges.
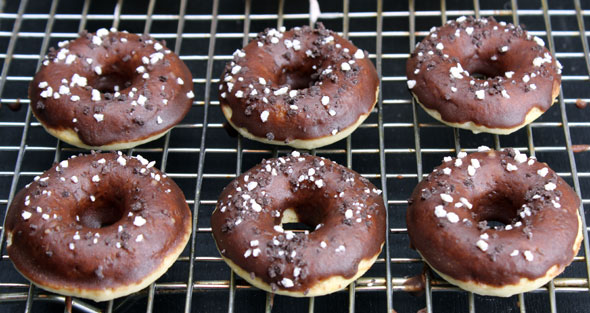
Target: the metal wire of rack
(395, 147)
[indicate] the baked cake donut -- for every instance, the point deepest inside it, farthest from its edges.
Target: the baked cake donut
(537, 232)
(111, 90)
(346, 210)
(305, 88)
(521, 78)
(97, 226)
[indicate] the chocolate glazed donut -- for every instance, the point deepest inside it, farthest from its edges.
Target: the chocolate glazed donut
(346, 210)
(305, 88)
(111, 90)
(538, 228)
(521, 78)
(97, 226)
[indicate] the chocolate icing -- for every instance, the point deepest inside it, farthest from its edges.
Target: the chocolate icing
(346, 209)
(539, 210)
(55, 223)
(521, 73)
(311, 83)
(154, 88)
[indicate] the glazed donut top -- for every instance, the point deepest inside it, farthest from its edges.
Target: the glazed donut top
(521, 73)
(449, 211)
(301, 84)
(111, 87)
(95, 222)
(347, 209)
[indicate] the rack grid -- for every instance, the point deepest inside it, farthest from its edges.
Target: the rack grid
(394, 148)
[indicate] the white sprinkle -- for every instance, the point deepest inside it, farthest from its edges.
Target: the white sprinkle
(447, 171)
(292, 93)
(550, 186)
(121, 160)
(484, 236)
(70, 59)
(505, 94)
(98, 70)
(466, 202)
(514, 253)
(345, 66)
(191, 95)
(447, 159)
(461, 154)
(446, 197)
(411, 84)
(439, 211)
(469, 30)
(236, 69)
(526, 78)
(509, 74)
(323, 244)
(480, 94)
(504, 49)
(95, 95)
(452, 217)
(72, 246)
(75, 98)
(286, 282)
(264, 116)
(319, 183)
(461, 19)
(348, 214)
(64, 163)
(252, 185)
(95, 178)
(483, 148)
(453, 89)
(510, 167)
(543, 172)
(470, 170)
(475, 163)
(141, 99)
(456, 71)
(278, 228)
(482, 245)
(359, 54)
(325, 100)
(179, 81)
(539, 41)
(139, 221)
(92, 198)
(247, 253)
(520, 158)
(533, 86)
(101, 161)
(74, 179)
(64, 90)
(281, 91)
(159, 120)
(239, 94)
(140, 69)
(340, 248)
(528, 255)
(440, 46)
(256, 252)
(45, 216)
(458, 162)
(26, 215)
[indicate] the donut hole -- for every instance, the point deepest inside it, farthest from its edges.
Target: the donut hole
(101, 213)
(293, 219)
(300, 77)
(481, 69)
(497, 209)
(114, 77)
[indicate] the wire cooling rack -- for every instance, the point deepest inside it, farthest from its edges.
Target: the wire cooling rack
(394, 148)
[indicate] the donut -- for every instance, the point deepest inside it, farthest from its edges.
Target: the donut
(111, 90)
(495, 223)
(97, 226)
(344, 211)
(304, 88)
(483, 75)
